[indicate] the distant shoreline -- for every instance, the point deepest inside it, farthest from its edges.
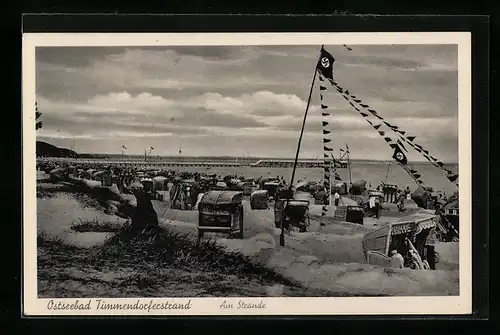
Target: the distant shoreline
(230, 159)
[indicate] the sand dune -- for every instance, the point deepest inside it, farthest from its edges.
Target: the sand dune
(327, 257)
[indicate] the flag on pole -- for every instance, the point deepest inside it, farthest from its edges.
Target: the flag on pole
(325, 64)
(400, 156)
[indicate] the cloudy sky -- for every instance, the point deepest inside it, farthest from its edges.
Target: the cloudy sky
(243, 101)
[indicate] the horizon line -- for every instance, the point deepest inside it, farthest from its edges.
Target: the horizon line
(255, 157)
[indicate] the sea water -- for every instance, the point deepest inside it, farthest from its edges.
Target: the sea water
(373, 172)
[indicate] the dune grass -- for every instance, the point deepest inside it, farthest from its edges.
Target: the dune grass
(95, 226)
(148, 260)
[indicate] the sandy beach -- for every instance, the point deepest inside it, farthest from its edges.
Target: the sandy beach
(325, 261)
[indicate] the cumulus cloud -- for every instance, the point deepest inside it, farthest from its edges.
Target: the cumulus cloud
(243, 97)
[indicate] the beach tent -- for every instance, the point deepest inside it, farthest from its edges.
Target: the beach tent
(358, 187)
(421, 196)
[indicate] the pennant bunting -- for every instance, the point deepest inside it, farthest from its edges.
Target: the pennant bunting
(401, 145)
(398, 148)
(325, 114)
(326, 140)
(323, 106)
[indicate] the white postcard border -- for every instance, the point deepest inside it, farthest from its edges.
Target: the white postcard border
(462, 304)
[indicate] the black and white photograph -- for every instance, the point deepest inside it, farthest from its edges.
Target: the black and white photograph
(247, 171)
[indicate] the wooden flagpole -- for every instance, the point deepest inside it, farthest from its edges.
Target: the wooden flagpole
(282, 235)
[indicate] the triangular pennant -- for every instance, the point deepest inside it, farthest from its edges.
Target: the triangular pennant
(434, 159)
(345, 97)
(427, 152)
(388, 139)
(356, 108)
(369, 122)
(363, 114)
(347, 92)
(322, 88)
(377, 126)
(393, 145)
(326, 140)
(413, 171)
(372, 111)
(357, 100)
(325, 156)
(381, 132)
(440, 164)
(324, 106)
(325, 123)
(334, 83)
(364, 106)
(417, 175)
(387, 124)
(321, 78)
(411, 138)
(325, 114)
(327, 149)
(402, 132)
(419, 181)
(353, 96)
(350, 103)
(325, 132)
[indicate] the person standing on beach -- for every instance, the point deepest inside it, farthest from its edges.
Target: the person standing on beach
(407, 192)
(377, 207)
(336, 198)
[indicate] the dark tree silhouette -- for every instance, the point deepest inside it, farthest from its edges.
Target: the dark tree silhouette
(39, 124)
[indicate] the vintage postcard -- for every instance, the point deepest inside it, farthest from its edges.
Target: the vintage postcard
(247, 174)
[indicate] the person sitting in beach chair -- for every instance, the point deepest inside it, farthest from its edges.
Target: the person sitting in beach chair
(397, 260)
